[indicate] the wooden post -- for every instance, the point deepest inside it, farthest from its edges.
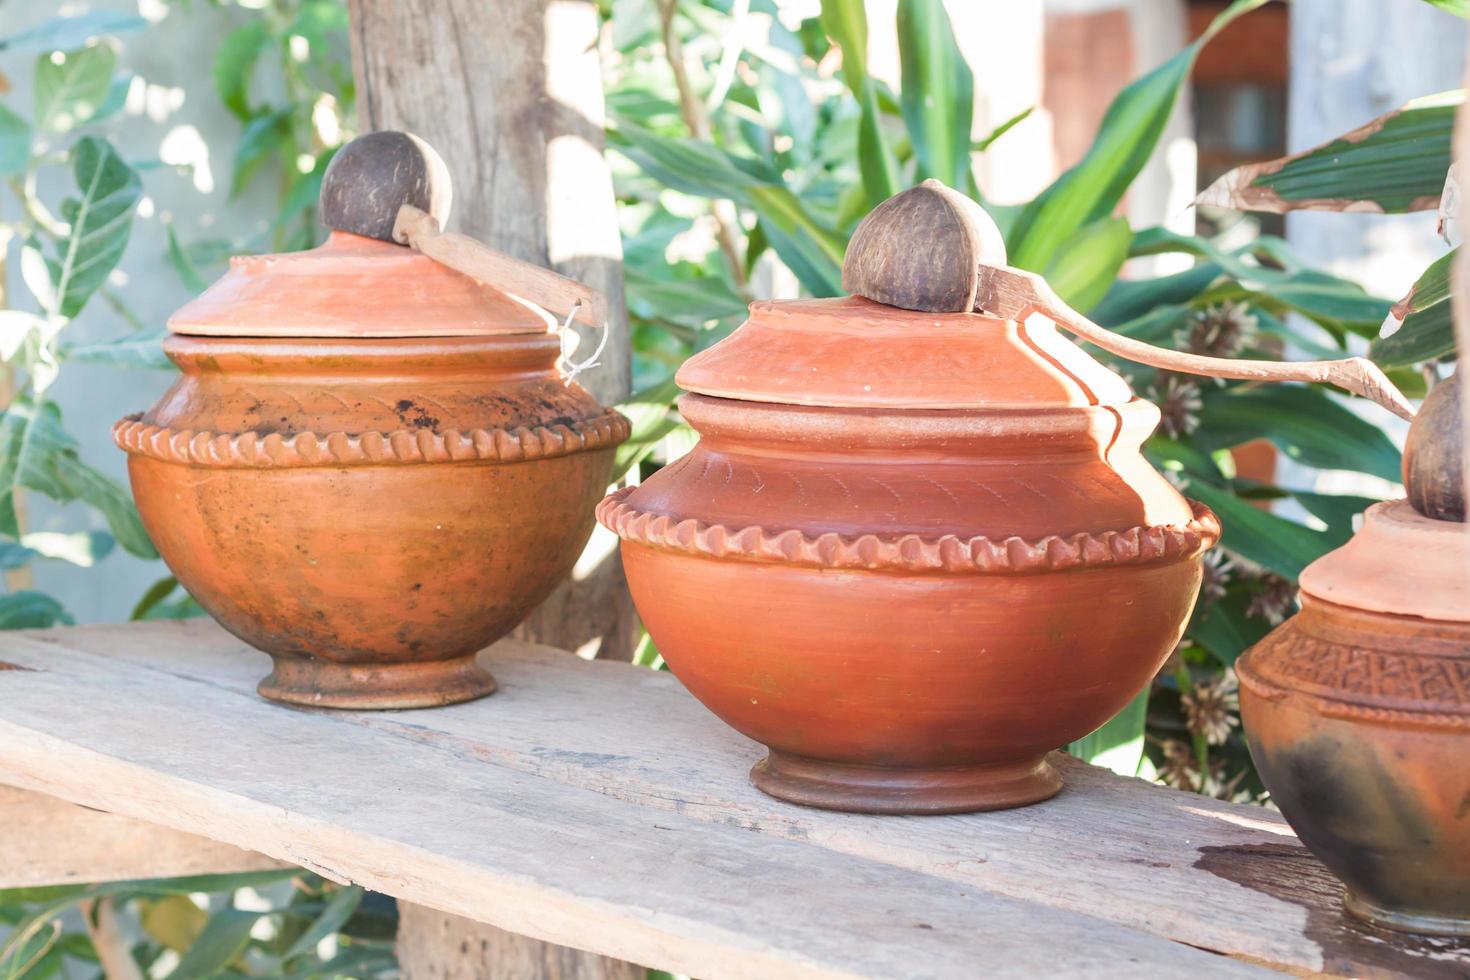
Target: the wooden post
(510, 93)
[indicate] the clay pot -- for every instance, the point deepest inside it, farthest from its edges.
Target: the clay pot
(912, 553)
(1357, 711)
(369, 468)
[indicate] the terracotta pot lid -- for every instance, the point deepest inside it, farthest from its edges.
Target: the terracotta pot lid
(354, 287)
(855, 353)
(1401, 563)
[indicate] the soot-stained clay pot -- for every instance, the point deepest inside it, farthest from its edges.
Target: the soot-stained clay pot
(912, 553)
(1357, 709)
(369, 468)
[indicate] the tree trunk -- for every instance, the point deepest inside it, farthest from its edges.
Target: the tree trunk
(510, 93)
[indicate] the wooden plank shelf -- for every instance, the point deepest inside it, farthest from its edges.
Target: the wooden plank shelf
(597, 805)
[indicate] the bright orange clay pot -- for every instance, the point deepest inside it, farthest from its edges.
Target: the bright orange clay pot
(370, 469)
(912, 553)
(1357, 711)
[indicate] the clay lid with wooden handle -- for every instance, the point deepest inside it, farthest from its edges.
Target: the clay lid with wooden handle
(931, 248)
(387, 270)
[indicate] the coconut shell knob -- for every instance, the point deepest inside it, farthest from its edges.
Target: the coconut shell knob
(921, 250)
(376, 174)
(1434, 455)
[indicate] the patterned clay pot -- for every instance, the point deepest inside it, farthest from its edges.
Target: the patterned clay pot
(369, 468)
(1357, 711)
(912, 553)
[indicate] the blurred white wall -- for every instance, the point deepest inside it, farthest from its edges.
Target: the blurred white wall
(174, 101)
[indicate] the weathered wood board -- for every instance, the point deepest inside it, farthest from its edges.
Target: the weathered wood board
(47, 841)
(597, 805)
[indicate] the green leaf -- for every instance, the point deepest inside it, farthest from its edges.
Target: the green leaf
(220, 944)
(263, 136)
(1226, 631)
(132, 351)
(1393, 164)
(101, 221)
(181, 262)
(1460, 8)
(1126, 139)
(938, 95)
(15, 143)
(71, 86)
(37, 453)
(110, 499)
(157, 592)
(1118, 744)
(341, 908)
(1425, 328)
(1087, 264)
(1304, 422)
(31, 610)
(846, 22)
(234, 63)
(651, 413)
(981, 145)
(1336, 510)
(1282, 546)
(67, 33)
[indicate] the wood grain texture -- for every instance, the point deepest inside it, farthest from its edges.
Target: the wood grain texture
(598, 805)
(435, 945)
(510, 93)
(47, 841)
(559, 839)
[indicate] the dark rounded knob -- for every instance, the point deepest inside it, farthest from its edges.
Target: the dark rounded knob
(922, 249)
(376, 174)
(1434, 455)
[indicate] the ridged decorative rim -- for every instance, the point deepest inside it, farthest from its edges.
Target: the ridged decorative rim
(251, 449)
(1357, 682)
(913, 552)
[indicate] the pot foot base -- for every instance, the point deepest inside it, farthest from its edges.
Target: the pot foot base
(375, 687)
(1423, 923)
(877, 789)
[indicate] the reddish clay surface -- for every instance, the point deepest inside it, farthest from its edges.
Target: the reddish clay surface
(911, 605)
(1359, 720)
(371, 512)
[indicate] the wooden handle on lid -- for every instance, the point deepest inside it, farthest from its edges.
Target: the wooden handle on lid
(931, 248)
(394, 187)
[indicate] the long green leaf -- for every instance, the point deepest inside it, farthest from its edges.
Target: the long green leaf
(101, 222)
(1425, 329)
(220, 944)
(341, 907)
(1129, 133)
(31, 610)
(67, 33)
(1304, 422)
(1393, 164)
(71, 86)
(1118, 744)
(938, 96)
(15, 143)
(234, 63)
(1275, 543)
(1087, 264)
(1460, 8)
(846, 22)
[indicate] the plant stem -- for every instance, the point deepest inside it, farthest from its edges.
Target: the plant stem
(697, 119)
(109, 941)
(16, 579)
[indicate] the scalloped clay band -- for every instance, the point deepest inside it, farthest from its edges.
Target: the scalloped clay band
(913, 552)
(250, 449)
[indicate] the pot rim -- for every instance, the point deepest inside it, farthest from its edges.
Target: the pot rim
(1142, 545)
(250, 450)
